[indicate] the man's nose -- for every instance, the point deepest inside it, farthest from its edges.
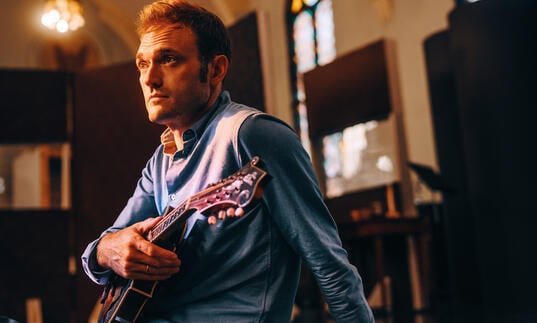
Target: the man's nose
(152, 76)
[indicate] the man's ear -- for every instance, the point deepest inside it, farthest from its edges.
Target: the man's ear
(218, 70)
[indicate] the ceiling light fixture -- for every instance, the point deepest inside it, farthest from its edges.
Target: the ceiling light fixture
(62, 15)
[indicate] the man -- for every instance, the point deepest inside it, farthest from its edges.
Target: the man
(246, 268)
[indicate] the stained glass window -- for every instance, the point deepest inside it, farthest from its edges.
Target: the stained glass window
(304, 39)
(311, 30)
(324, 25)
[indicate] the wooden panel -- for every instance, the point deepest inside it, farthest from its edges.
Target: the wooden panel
(354, 88)
(459, 221)
(495, 81)
(245, 79)
(35, 248)
(33, 106)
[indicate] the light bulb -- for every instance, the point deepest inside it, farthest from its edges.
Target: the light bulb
(50, 18)
(62, 26)
(63, 15)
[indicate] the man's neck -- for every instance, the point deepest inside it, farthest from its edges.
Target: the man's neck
(178, 128)
(178, 138)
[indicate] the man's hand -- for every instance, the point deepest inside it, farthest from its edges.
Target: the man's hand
(131, 256)
(223, 214)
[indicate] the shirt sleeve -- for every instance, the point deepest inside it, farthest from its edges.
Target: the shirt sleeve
(298, 209)
(140, 206)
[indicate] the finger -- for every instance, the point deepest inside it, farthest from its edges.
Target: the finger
(155, 255)
(146, 252)
(152, 274)
(221, 215)
(239, 212)
(158, 273)
(158, 270)
(211, 220)
(153, 266)
(146, 225)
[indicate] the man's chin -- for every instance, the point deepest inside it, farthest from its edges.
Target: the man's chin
(159, 119)
(154, 114)
(156, 120)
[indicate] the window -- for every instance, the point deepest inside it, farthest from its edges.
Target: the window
(35, 176)
(361, 156)
(312, 43)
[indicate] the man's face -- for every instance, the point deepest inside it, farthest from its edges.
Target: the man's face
(168, 61)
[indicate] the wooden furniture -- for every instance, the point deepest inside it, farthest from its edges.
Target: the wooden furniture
(404, 289)
(37, 264)
(483, 101)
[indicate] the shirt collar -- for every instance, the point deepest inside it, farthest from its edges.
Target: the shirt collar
(191, 135)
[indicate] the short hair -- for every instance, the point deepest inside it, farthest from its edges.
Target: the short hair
(212, 36)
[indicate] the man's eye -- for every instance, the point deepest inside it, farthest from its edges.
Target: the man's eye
(141, 65)
(168, 59)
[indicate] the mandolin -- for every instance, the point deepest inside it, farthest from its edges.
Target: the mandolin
(123, 300)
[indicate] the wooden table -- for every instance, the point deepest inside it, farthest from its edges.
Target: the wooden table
(378, 229)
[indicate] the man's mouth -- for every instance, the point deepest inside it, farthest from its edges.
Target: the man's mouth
(157, 96)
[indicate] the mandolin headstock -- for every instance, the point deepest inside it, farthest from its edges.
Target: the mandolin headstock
(234, 191)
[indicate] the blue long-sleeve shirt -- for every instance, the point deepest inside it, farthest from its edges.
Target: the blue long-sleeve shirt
(245, 269)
